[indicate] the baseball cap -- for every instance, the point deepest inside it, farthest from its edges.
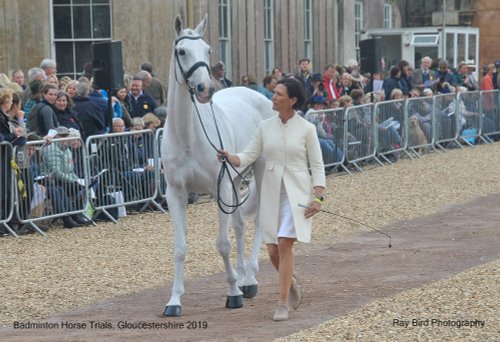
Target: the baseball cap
(61, 130)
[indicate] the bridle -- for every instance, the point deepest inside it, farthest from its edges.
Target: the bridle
(224, 166)
(187, 74)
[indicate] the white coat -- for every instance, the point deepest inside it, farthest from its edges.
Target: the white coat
(289, 150)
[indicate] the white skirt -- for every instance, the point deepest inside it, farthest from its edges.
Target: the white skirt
(286, 228)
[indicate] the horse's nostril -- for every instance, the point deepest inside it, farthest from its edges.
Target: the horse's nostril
(200, 88)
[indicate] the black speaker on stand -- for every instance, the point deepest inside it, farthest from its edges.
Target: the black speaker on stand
(107, 70)
(370, 51)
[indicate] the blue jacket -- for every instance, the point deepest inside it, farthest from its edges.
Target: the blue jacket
(92, 118)
(140, 107)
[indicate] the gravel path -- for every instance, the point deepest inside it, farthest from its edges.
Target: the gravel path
(433, 313)
(76, 267)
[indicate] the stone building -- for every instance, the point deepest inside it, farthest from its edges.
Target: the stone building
(250, 36)
(476, 13)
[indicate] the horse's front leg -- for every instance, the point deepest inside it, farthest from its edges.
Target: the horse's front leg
(177, 202)
(250, 284)
(234, 295)
(239, 232)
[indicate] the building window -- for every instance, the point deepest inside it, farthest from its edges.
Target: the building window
(308, 41)
(358, 24)
(76, 25)
(387, 16)
(269, 36)
(225, 34)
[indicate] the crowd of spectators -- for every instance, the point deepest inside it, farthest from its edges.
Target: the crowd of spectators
(43, 107)
(344, 86)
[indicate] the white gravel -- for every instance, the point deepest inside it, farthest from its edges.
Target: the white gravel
(77, 267)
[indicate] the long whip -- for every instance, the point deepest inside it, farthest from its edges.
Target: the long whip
(350, 219)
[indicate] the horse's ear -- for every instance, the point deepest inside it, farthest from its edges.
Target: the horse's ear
(178, 24)
(200, 29)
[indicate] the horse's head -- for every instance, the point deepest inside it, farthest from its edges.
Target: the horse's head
(192, 55)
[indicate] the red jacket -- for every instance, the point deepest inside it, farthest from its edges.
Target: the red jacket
(336, 92)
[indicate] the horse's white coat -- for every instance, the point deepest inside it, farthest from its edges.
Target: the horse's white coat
(190, 162)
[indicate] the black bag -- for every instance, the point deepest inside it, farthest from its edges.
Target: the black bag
(101, 216)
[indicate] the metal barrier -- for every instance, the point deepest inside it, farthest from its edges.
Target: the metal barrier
(54, 179)
(162, 183)
(446, 121)
(112, 171)
(470, 117)
(7, 184)
(490, 108)
(390, 129)
(360, 135)
(330, 128)
(122, 167)
(420, 122)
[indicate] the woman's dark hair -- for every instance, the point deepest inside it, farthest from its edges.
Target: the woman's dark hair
(69, 101)
(16, 99)
(294, 89)
(357, 95)
(401, 65)
(393, 72)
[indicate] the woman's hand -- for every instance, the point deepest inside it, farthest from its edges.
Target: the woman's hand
(222, 155)
(18, 131)
(20, 115)
(314, 207)
(230, 158)
(48, 139)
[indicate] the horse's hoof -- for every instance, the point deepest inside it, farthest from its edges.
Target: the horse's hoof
(172, 311)
(249, 291)
(234, 302)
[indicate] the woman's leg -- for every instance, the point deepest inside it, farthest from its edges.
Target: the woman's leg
(274, 256)
(286, 266)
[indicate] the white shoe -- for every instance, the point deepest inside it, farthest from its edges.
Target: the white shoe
(280, 312)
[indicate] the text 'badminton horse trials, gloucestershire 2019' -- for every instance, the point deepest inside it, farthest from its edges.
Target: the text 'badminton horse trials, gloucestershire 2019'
(198, 123)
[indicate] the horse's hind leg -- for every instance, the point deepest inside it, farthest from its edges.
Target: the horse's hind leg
(177, 207)
(234, 295)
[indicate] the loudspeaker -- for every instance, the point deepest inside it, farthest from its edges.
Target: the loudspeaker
(107, 65)
(370, 51)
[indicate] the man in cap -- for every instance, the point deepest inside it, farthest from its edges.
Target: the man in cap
(316, 87)
(316, 103)
(66, 186)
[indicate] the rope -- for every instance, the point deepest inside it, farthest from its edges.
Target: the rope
(224, 166)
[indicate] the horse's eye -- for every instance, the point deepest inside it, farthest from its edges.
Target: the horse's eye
(209, 51)
(182, 52)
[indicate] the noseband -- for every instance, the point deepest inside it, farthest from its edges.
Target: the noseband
(187, 74)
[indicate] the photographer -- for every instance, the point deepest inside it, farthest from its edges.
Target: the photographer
(444, 75)
(317, 87)
(442, 87)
